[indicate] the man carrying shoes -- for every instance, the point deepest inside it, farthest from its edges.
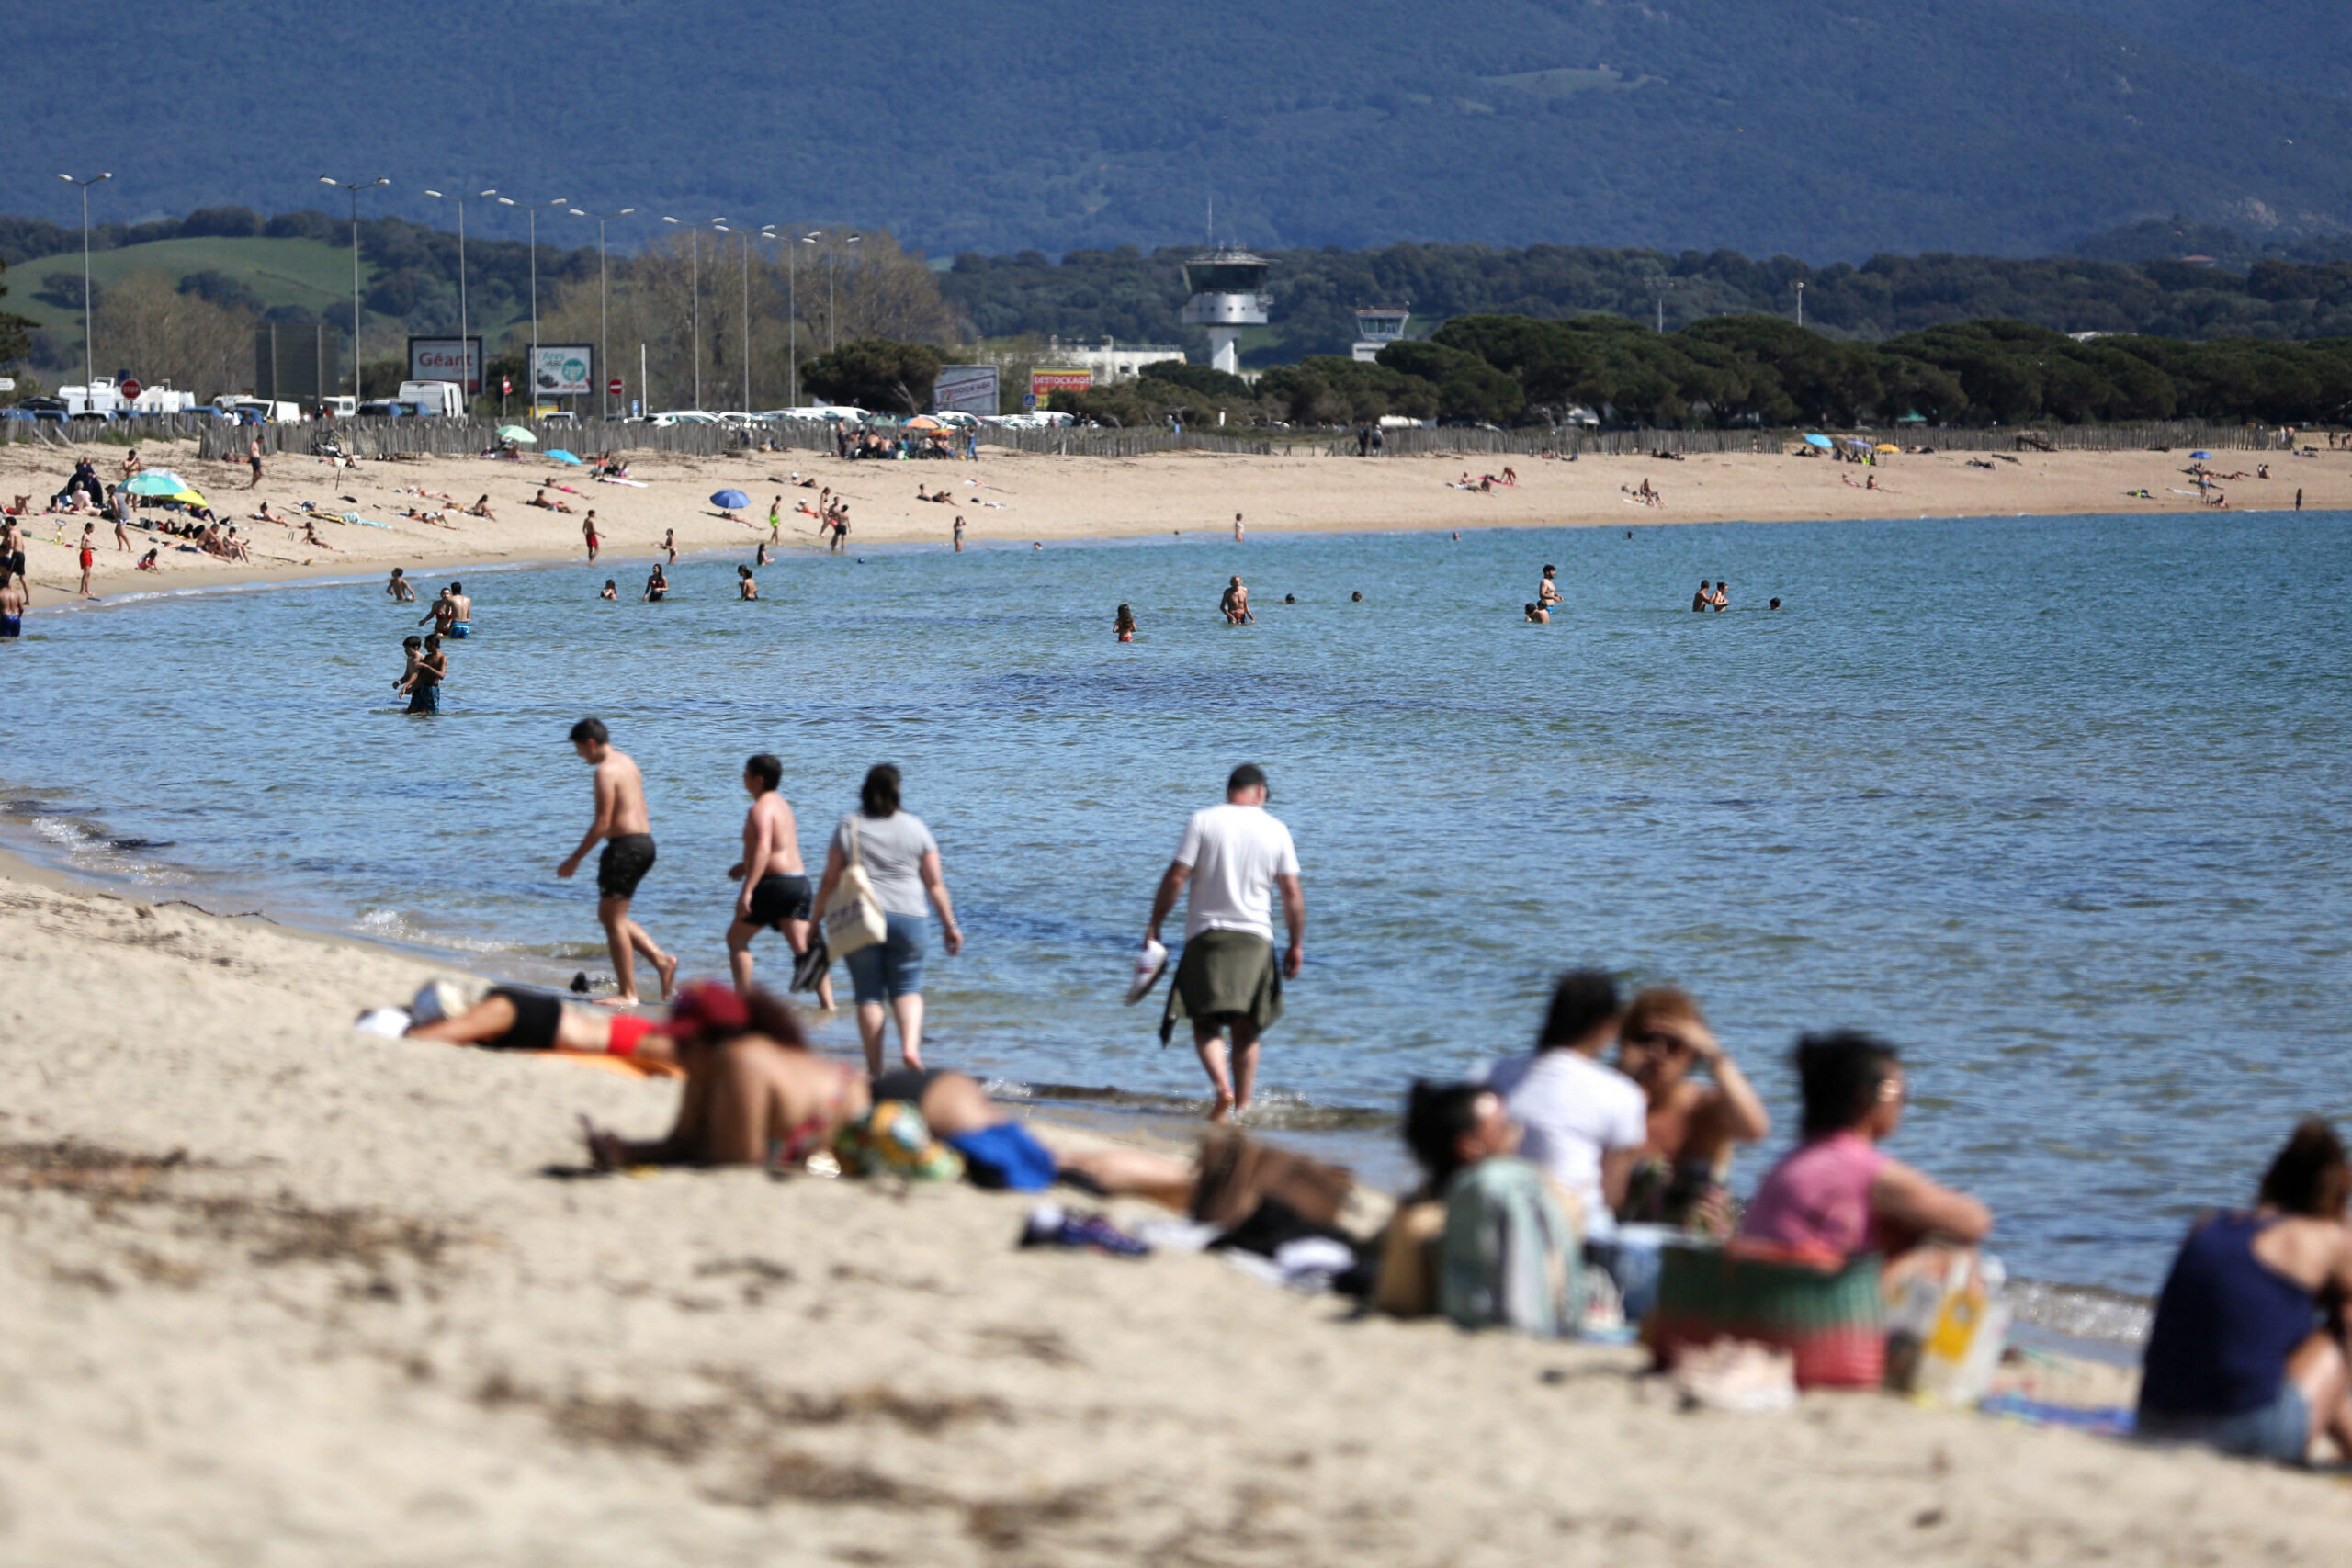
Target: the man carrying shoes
(1233, 856)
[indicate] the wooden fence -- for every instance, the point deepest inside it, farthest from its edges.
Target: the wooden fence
(450, 437)
(2170, 434)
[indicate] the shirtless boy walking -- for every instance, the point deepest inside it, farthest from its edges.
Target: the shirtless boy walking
(627, 833)
(776, 894)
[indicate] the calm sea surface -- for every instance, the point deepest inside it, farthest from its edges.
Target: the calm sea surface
(2060, 805)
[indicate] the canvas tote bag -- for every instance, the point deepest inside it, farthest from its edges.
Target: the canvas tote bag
(852, 919)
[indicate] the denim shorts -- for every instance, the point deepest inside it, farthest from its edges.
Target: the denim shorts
(2279, 1431)
(892, 967)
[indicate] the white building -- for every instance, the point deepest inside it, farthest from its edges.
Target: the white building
(1110, 362)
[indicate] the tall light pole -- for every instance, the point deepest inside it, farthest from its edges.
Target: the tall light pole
(603, 357)
(833, 269)
(696, 230)
(1799, 302)
(89, 357)
(747, 314)
(465, 341)
(531, 371)
(792, 308)
(354, 189)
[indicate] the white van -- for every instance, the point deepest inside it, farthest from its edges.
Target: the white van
(434, 400)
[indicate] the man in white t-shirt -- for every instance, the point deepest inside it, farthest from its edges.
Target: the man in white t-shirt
(1234, 856)
(1585, 1122)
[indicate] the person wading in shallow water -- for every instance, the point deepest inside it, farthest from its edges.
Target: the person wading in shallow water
(624, 827)
(1233, 856)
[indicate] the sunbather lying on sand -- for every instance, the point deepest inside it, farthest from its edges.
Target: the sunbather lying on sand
(514, 1019)
(756, 1095)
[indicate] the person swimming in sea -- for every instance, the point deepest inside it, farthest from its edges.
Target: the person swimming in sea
(1123, 625)
(611, 591)
(1538, 616)
(657, 587)
(745, 586)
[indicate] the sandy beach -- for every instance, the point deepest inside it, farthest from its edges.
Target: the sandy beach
(1014, 498)
(282, 1292)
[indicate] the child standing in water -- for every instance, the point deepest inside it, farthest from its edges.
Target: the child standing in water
(1124, 625)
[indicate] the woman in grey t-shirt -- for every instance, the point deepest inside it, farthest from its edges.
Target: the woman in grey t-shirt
(901, 861)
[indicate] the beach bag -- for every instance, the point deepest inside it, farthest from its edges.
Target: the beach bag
(1828, 1315)
(852, 920)
(893, 1139)
(1509, 1257)
(1006, 1157)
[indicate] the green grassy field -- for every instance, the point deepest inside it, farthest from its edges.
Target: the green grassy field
(308, 273)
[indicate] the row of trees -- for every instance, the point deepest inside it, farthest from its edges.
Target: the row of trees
(1130, 295)
(1735, 371)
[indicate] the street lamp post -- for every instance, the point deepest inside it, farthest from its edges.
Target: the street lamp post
(747, 314)
(357, 391)
(602, 329)
(696, 230)
(1799, 303)
(531, 371)
(465, 341)
(89, 354)
(832, 269)
(792, 308)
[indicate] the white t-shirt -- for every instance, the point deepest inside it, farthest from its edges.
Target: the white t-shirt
(1235, 853)
(1573, 1110)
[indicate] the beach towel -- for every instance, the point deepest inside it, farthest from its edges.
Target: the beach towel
(616, 479)
(1007, 1157)
(2106, 1421)
(1509, 1257)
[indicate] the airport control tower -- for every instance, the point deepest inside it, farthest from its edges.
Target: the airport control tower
(1378, 326)
(1229, 294)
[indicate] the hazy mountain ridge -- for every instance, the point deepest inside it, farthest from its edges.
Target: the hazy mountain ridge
(1818, 128)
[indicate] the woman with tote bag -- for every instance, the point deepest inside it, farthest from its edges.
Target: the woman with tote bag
(882, 865)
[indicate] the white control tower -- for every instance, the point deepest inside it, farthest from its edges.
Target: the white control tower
(1378, 326)
(1229, 294)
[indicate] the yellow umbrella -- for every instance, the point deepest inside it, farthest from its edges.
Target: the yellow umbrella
(1883, 446)
(188, 497)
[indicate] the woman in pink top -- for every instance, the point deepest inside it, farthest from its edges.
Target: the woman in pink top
(1836, 1193)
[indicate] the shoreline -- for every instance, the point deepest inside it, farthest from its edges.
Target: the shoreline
(1012, 498)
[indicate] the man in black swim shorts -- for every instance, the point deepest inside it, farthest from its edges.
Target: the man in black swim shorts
(776, 894)
(627, 833)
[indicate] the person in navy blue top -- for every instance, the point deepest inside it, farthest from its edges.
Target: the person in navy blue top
(2247, 1351)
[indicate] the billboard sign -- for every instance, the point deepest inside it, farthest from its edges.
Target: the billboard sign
(967, 388)
(446, 359)
(1043, 384)
(563, 370)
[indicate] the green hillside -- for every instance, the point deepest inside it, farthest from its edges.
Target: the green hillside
(1819, 128)
(292, 279)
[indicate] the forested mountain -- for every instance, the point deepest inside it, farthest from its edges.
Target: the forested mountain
(1819, 128)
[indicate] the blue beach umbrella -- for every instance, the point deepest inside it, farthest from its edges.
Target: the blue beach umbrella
(1819, 441)
(156, 481)
(730, 499)
(2202, 457)
(561, 456)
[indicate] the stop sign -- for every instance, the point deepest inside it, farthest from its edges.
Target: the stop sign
(131, 388)
(613, 386)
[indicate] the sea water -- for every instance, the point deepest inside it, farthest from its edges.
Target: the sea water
(2058, 805)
